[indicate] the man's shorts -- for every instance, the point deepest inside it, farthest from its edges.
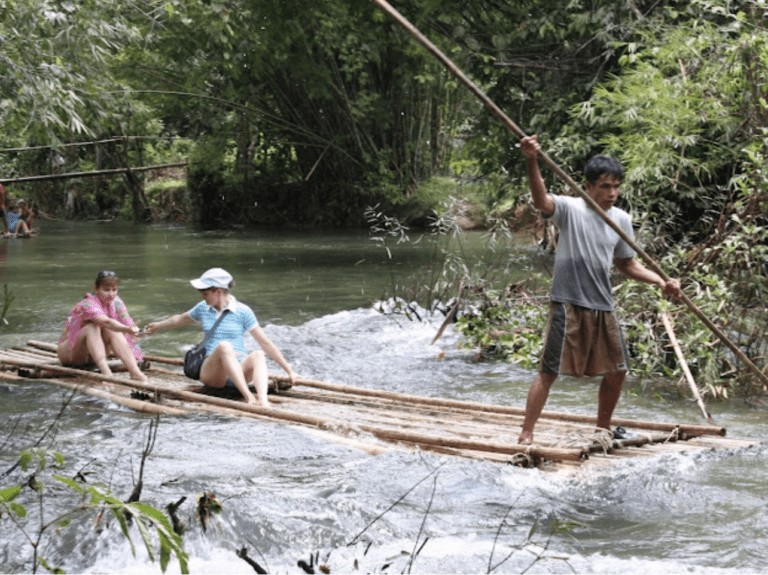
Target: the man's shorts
(581, 341)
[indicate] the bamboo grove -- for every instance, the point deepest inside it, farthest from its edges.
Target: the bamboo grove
(296, 113)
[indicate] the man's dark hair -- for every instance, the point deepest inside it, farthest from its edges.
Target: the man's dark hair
(601, 164)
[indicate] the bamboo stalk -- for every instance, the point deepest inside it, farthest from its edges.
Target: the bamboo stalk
(157, 358)
(456, 424)
(42, 362)
(134, 404)
(154, 408)
(328, 424)
(690, 430)
(684, 364)
(41, 345)
(496, 111)
(502, 409)
(91, 173)
(166, 360)
(38, 352)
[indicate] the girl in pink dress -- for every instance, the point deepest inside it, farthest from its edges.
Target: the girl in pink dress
(98, 325)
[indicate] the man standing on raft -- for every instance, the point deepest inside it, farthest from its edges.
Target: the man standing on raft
(583, 334)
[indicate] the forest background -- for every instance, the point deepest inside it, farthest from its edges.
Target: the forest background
(308, 113)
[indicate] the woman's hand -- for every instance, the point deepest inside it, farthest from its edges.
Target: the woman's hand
(293, 376)
(150, 329)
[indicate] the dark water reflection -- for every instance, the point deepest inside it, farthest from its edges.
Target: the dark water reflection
(288, 493)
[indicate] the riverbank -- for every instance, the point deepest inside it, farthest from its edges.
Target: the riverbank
(472, 205)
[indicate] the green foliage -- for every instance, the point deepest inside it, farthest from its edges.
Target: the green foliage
(506, 328)
(16, 500)
(727, 283)
(333, 106)
(56, 81)
(684, 113)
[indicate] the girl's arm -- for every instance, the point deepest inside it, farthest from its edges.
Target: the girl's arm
(114, 325)
(172, 322)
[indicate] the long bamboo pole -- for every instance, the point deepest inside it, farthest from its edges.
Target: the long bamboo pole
(325, 423)
(501, 409)
(684, 365)
(436, 402)
(496, 111)
(71, 175)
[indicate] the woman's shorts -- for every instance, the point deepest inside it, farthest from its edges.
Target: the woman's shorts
(581, 341)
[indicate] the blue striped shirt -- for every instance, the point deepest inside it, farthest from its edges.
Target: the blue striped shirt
(232, 328)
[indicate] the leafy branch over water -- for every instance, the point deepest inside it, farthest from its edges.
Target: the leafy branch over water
(39, 518)
(506, 319)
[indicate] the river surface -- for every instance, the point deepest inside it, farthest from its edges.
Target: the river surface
(288, 495)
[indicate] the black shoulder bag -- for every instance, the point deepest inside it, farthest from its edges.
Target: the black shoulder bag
(194, 358)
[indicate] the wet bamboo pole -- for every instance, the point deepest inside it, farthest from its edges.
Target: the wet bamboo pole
(684, 365)
(496, 111)
(502, 409)
(328, 424)
(407, 399)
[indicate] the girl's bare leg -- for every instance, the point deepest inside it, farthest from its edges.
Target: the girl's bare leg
(122, 349)
(222, 363)
(255, 366)
(89, 347)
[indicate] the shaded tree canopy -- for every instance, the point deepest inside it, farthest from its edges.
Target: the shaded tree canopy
(307, 112)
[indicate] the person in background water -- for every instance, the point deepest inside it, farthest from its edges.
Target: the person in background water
(15, 224)
(2, 210)
(98, 325)
(583, 334)
(27, 215)
(227, 362)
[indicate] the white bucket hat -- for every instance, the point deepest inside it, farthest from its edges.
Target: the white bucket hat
(213, 278)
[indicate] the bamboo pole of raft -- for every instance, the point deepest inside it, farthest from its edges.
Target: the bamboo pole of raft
(134, 404)
(496, 111)
(501, 409)
(328, 424)
(687, 429)
(684, 364)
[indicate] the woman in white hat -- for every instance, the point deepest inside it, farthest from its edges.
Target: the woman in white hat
(227, 362)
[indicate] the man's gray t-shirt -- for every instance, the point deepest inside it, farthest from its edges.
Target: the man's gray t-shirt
(586, 249)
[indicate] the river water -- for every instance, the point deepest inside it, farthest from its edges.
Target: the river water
(288, 495)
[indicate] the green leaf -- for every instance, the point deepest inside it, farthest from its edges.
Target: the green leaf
(145, 535)
(72, 484)
(17, 509)
(9, 493)
(25, 458)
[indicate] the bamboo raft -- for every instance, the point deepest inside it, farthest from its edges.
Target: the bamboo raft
(374, 420)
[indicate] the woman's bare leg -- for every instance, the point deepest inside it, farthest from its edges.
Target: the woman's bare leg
(122, 349)
(222, 363)
(255, 366)
(89, 347)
